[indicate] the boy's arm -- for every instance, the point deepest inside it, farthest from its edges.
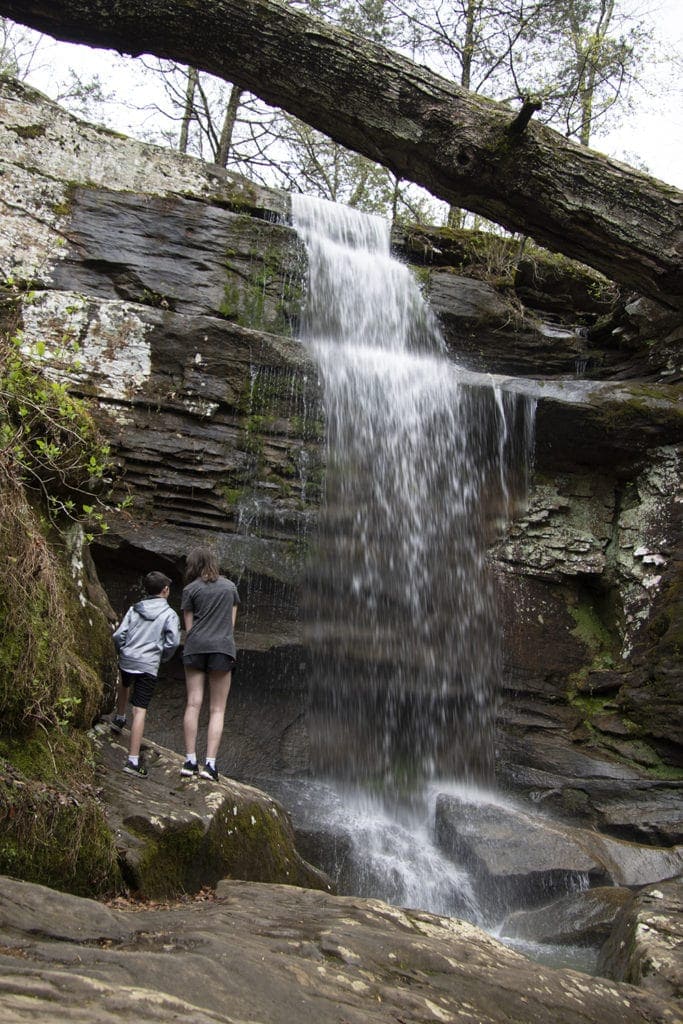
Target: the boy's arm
(120, 634)
(171, 637)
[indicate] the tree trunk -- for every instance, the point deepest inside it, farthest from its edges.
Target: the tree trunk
(228, 128)
(188, 112)
(419, 125)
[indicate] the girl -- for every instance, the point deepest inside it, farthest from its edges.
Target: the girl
(209, 605)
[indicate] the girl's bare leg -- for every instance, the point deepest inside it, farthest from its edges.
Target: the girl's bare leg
(219, 683)
(194, 681)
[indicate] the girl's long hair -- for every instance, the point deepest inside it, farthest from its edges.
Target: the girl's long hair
(201, 563)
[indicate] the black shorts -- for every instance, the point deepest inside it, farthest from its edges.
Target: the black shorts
(143, 684)
(213, 662)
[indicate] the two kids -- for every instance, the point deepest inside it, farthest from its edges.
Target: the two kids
(149, 634)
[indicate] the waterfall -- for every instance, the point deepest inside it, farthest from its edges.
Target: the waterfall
(400, 605)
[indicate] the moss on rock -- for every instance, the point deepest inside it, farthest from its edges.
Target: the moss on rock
(168, 864)
(52, 826)
(250, 840)
(46, 676)
(55, 642)
(255, 842)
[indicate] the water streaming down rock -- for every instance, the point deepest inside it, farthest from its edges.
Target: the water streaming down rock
(402, 620)
(401, 612)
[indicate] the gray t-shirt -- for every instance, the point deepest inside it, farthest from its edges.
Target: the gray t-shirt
(211, 605)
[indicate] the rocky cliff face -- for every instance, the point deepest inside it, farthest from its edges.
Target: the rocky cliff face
(168, 292)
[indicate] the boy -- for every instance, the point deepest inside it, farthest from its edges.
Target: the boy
(148, 635)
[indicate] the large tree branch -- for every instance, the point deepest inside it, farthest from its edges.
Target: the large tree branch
(421, 126)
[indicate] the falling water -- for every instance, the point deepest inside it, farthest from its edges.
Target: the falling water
(401, 614)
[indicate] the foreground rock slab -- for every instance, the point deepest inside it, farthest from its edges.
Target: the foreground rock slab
(277, 954)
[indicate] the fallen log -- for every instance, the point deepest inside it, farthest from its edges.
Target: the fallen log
(463, 148)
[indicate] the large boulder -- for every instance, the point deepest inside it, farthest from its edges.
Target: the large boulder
(272, 954)
(518, 859)
(176, 835)
(514, 859)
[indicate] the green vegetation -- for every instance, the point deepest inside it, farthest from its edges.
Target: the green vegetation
(52, 463)
(590, 629)
(27, 131)
(56, 837)
(168, 865)
(232, 495)
(52, 827)
(604, 721)
(258, 291)
(148, 297)
(51, 460)
(250, 842)
(48, 440)
(45, 679)
(245, 840)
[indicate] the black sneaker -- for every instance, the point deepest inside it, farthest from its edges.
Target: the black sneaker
(190, 768)
(118, 723)
(135, 769)
(208, 772)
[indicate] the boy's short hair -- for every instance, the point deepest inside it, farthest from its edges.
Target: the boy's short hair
(154, 583)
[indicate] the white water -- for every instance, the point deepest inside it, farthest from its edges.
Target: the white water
(401, 614)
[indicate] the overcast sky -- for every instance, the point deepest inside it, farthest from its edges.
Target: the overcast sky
(651, 137)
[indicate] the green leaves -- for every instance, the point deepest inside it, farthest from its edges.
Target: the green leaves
(48, 440)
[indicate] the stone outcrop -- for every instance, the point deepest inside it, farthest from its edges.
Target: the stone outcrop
(528, 312)
(646, 944)
(276, 954)
(213, 423)
(176, 835)
(584, 574)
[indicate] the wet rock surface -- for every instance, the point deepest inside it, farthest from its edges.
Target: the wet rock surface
(490, 333)
(591, 716)
(150, 272)
(582, 783)
(646, 944)
(518, 859)
(584, 918)
(277, 954)
(546, 315)
(265, 734)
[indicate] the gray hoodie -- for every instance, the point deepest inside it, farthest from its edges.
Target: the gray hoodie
(148, 635)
